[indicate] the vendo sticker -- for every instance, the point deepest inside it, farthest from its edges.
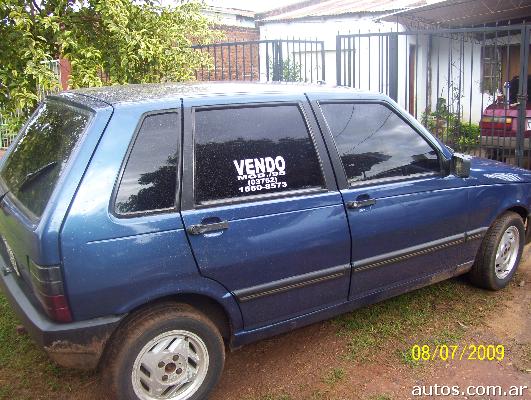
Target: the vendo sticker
(261, 173)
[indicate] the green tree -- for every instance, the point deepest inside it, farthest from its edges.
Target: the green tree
(286, 70)
(106, 41)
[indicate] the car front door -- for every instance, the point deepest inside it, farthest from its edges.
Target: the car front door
(407, 217)
(261, 207)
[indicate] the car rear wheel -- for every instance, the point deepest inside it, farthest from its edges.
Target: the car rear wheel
(170, 352)
(500, 252)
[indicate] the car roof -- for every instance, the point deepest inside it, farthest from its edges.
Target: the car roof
(166, 91)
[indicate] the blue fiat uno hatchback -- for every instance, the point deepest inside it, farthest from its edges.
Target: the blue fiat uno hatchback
(144, 229)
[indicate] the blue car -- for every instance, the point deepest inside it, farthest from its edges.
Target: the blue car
(147, 228)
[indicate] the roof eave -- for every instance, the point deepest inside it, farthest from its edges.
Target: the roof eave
(379, 14)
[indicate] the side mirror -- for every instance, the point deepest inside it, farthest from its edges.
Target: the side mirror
(460, 165)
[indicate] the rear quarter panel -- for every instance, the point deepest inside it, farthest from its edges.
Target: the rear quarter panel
(113, 265)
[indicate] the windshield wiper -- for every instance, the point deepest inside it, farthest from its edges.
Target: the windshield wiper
(35, 174)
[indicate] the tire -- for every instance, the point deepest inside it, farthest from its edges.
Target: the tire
(505, 238)
(158, 350)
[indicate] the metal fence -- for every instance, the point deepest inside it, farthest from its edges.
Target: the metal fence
(467, 86)
(290, 60)
(6, 134)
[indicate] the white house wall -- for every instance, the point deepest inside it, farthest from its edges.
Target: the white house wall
(327, 32)
(445, 54)
(472, 100)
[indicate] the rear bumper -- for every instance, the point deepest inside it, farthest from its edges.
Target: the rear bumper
(502, 141)
(74, 345)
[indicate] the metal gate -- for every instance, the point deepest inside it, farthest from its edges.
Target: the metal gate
(467, 86)
(290, 60)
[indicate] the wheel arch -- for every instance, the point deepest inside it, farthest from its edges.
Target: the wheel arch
(524, 213)
(205, 304)
(520, 210)
(205, 295)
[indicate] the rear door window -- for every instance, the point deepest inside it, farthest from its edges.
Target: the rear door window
(246, 151)
(39, 158)
(149, 180)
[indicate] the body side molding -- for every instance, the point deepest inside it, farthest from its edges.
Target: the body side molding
(293, 282)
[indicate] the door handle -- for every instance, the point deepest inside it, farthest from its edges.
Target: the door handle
(199, 229)
(361, 203)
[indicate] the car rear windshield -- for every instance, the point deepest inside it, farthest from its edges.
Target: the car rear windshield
(40, 156)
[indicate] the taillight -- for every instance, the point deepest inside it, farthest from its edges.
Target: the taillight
(48, 286)
(488, 121)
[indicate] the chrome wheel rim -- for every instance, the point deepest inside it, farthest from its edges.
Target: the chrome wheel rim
(507, 252)
(172, 366)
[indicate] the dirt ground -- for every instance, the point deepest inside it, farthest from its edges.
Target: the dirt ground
(292, 366)
(361, 355)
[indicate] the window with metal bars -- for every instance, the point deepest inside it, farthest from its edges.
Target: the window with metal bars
(491, 69)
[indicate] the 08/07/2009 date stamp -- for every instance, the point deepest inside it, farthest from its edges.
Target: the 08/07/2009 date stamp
(446, 352)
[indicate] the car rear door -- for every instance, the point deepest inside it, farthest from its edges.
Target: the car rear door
(407, 219)
(261, 206)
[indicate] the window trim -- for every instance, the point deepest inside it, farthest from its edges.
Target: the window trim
(264, 196)
(392, 179)
(260, 197)
(176, 206)
(369, 182)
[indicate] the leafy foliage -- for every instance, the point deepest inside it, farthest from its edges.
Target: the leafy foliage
(106, 41)
(448, 127)
(286, 70)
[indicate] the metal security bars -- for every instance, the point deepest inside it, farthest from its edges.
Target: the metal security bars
(6, 132)
(467, 86)
(289, 60)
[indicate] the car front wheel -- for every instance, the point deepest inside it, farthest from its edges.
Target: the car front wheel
(500, 252)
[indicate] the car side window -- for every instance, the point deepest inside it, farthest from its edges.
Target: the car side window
(245, 151)
(149, 180)
(374, 142)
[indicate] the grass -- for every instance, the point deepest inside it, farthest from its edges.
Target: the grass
(524, 364)
(436, 314)
(275, 397)
(25, 371)
(334, 376)
(380, 397)
(406, 357)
